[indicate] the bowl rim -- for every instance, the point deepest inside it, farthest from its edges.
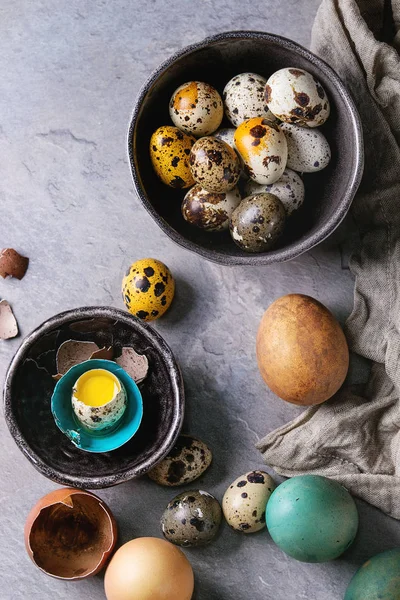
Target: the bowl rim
(102, 481)
(298, 248)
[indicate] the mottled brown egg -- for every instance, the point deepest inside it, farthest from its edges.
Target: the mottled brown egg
(188, 459)
(196, 107)
(295, 96)
(258, 222)
(192, 519)
(214, 165)
(169, 153)
(263, 148)
(209, 210)
(302, 352)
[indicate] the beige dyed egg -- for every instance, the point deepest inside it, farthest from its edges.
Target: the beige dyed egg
(214, 165)
(289, 189)
(295, 96)
(308, 149)
(196, 107)
(209, 210)
(245, 501)
(263, 148)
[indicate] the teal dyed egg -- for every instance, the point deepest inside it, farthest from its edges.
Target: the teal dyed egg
(377, 579)
(312, 518)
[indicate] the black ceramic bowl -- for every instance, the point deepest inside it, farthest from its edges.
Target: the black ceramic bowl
(215, 60)
(29, 386)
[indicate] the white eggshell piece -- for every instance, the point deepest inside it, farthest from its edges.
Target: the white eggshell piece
(295, 96)
(308, 150)
(263, 148)
(289, 189)
(100, 418)
(209, 210)
(245, 501)
(196, 108)
(244, 98)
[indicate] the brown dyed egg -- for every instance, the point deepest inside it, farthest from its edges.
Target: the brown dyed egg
(214, 165)
(70, 534)
(188, 459)
(263, 148)
(295, 96)
(196, 108)
(258, 222)
(209, 210)
(169, 153)
(302, 352)
(149, 568)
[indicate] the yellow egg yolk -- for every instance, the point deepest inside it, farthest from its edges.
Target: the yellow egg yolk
(97, 387)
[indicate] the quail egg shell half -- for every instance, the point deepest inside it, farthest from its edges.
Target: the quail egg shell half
(263, 148)
(244, 98)
(258, 222)
(308, 150)
(169, 153)
(245, 500)
(295, 96)
(289, 189)
(98, 400)
(196, 107)
(209, 210)
(214, 165)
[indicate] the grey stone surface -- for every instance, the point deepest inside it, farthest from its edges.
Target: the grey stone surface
(69, 74)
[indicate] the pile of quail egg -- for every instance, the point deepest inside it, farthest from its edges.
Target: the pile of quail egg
(245, 178)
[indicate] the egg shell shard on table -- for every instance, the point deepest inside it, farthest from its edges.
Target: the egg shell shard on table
(8, 323)
(136, 365)
(12, 264)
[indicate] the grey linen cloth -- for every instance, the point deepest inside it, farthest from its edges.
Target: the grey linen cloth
(354, 438)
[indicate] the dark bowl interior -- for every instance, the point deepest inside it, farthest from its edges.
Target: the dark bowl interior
(29, 386)
(216, 60)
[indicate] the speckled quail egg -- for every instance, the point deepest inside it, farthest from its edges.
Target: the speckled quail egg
(245, 500)
(263, 148)
(308, 150)
(148, 289)
(244, 98)
(209, 210)
(295, 96)
(196, 108)
(188, 459)
(227, 135)
(169, 153)
(289, 189)
(258, 222)
(214, 165)
(191, 519)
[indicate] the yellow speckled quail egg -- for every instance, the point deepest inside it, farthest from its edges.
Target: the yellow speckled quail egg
(244, 98)
(196, 107)
(169, 153)
(245, 501)
(148, 289)
(214, 165)
(308, 150)
(209, 210)
(263, 148)
(295, 96)
(289, 189)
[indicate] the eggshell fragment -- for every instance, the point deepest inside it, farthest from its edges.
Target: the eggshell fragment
(72, 353)
(308, 149)
(103, 353)
(8, 323)
(12, 264)
(136, 365)
(70, 534)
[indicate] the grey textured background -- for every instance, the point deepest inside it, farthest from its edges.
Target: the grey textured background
(69, 75)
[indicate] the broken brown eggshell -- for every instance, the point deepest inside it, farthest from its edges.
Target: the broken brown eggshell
(70, 534)
(12, 264)
(136, 365)
(8, 323)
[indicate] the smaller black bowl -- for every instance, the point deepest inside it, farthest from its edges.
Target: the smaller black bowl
(215, 60)
(29, 386)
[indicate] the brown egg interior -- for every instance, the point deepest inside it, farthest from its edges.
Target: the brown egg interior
(68, 539)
